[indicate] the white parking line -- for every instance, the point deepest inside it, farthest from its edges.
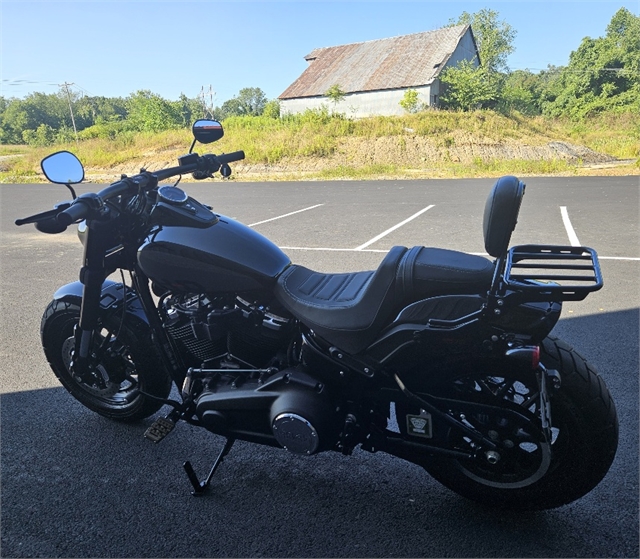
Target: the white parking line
(573, 238)
(285, 215)
(385, 233)
(384, 251)
(328, 249)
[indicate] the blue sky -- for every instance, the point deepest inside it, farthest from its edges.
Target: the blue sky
(116, 48)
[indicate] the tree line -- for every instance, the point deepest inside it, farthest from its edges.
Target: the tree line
(602, 75)
(44, 119)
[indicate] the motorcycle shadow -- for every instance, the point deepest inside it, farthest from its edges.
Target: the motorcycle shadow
(75, 484)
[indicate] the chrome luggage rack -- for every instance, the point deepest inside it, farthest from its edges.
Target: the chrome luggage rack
(549, 272)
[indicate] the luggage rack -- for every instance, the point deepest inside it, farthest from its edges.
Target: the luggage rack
(561, 273)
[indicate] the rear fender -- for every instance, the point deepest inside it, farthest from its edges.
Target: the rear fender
(447, 333)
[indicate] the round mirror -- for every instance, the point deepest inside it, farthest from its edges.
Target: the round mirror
(207, 131)
(63, 167)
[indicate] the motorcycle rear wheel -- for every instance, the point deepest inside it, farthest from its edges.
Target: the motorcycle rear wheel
(583, 446)
(128, 372)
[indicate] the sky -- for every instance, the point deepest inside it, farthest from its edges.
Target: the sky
(116, 48)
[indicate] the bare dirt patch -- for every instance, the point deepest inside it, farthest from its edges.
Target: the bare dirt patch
(413, 156)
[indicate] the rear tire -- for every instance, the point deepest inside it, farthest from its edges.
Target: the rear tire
(584, 442)
(131, 355)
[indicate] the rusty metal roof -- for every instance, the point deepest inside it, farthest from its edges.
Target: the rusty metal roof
(397, 62)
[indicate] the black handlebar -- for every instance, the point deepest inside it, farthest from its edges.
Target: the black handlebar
(76, 212)
(231, 157)
(85, 205)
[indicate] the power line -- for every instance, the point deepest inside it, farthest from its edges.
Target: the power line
(574, 70)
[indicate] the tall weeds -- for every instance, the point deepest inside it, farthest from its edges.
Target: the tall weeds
(318, 134)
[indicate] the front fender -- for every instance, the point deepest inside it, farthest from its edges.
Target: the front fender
(111, 301)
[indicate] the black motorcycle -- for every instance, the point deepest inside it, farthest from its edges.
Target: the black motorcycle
(438, 357)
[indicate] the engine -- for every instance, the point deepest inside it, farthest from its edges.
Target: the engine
(210, 332)
(243, 375)
(287, 408)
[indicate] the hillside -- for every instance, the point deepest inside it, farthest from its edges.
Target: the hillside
(428, 145)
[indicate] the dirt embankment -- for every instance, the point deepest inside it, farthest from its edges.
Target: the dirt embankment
(412, 156)
(420, 152)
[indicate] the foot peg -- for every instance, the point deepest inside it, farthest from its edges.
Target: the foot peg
(159, 429)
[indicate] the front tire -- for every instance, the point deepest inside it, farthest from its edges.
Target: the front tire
(583, 445)
(128, 369)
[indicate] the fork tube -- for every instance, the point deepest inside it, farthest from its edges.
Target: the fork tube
(92, 276)
(171, 358)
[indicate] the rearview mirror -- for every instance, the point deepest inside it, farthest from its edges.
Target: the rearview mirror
(63, 167)
(207, 131)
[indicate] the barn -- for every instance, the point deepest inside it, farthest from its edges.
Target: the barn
(375, 75)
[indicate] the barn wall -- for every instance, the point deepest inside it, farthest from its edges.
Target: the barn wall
(385, 102)
(465, 50)
(358, 105)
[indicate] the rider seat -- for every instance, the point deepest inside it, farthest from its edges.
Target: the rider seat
(348, 310)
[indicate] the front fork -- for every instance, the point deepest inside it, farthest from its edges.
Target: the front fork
(96, 267)
(92, 276)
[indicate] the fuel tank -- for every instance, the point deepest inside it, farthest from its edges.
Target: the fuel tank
(227, 257)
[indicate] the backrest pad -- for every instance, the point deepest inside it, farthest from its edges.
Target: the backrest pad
(501, 214)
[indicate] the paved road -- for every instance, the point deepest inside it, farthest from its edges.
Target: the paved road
(74, 484)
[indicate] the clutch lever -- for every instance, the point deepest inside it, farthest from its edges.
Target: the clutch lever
(44, 215)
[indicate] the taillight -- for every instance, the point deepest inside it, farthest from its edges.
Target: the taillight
(535, 357)
(527, 356)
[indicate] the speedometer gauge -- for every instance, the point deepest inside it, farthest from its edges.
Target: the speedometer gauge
(172, 195)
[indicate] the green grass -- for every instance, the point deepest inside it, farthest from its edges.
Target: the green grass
(13, 150)
(357, 173)
(317, 136)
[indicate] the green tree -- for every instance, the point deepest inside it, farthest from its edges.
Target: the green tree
(494, 38)
(93, 110)
(485, 76)
(43, 135)
(410, 102)
(336, 94)
(149, 112)
(521, 91)
(467, 87)
(250, 101)
(602, 74)
(272, 109)
(32, 111)
(190, 110)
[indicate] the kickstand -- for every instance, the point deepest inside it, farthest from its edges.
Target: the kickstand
(199, 487)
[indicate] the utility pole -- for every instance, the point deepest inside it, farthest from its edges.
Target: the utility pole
(73, 120)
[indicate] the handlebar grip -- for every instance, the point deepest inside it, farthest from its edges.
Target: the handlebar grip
(77, 211)
(230, 157)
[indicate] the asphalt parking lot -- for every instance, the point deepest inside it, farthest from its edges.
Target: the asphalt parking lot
(77, 485)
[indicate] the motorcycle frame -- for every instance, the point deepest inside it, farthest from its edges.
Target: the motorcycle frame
(102, 259)
(514, 346)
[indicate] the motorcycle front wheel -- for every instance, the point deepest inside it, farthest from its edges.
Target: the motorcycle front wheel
(127, 379)
(527, 475)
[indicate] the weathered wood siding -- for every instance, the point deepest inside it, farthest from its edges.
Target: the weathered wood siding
(386, 102)
(358, 105)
